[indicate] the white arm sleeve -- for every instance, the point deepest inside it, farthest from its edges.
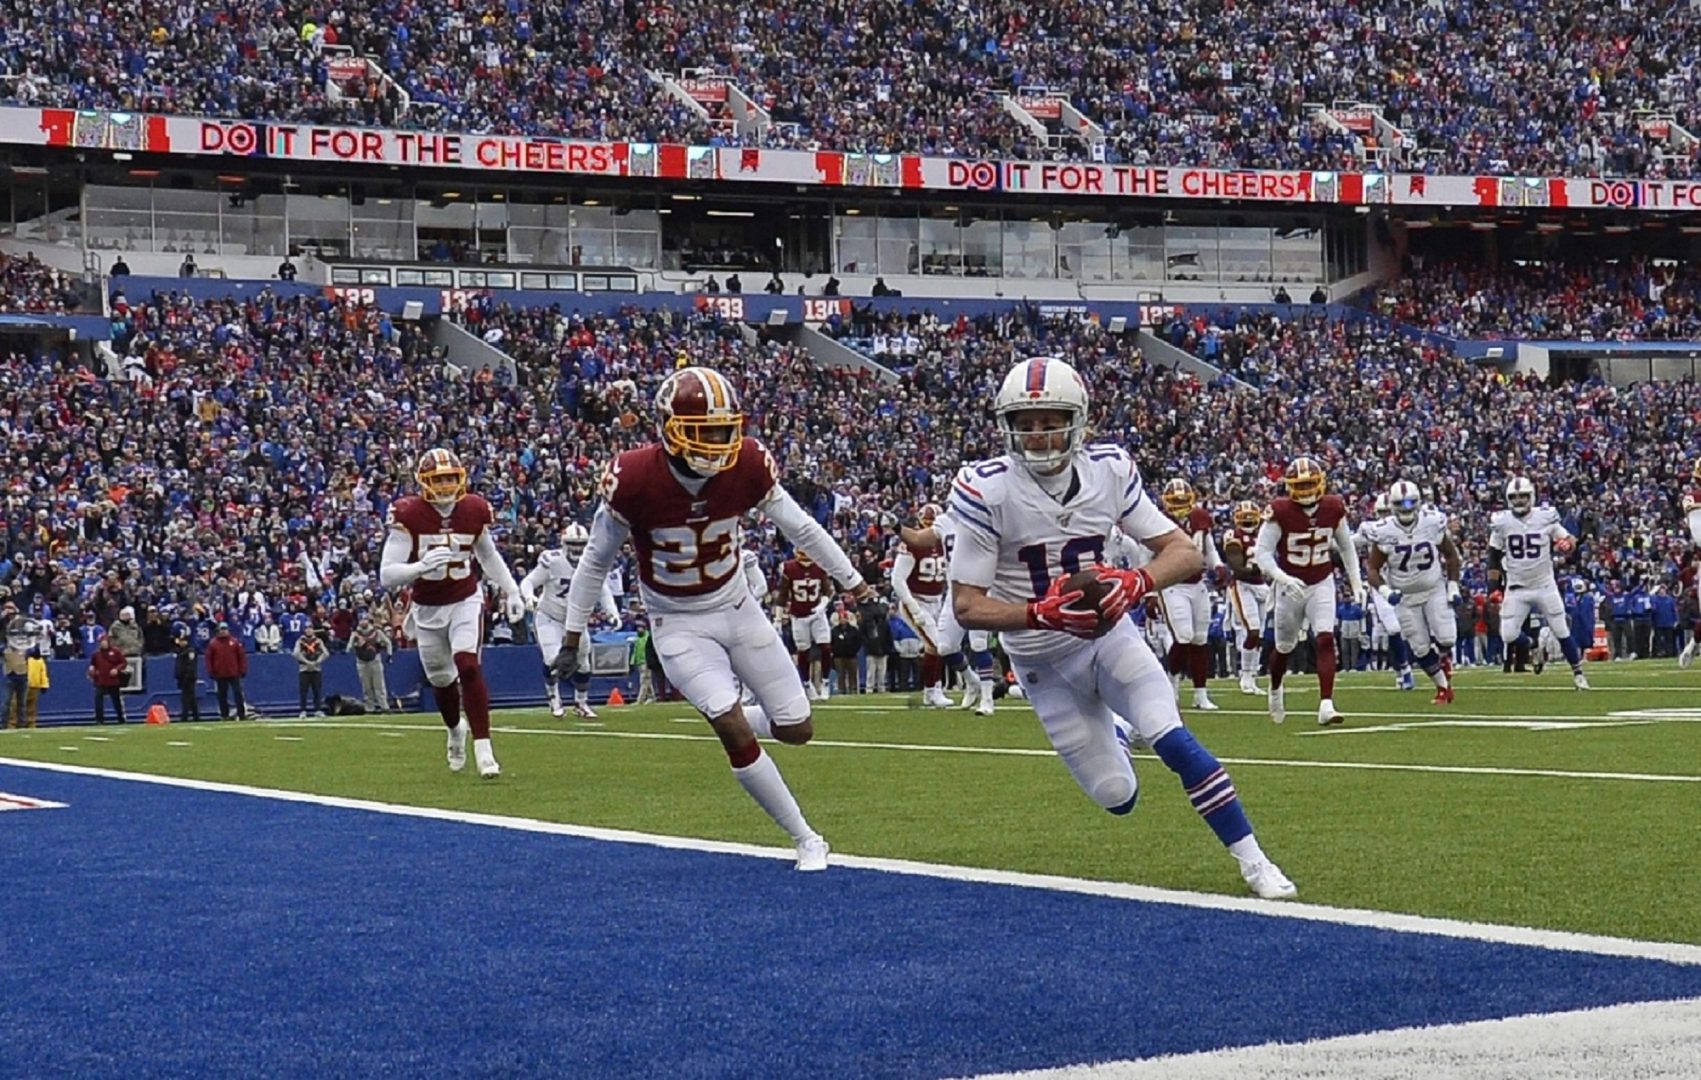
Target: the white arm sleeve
(529, 584)
(590, 577)
(607, 602)
(394, 569)
(902, 564)
(1349, 555)
(1264, 550)
(807, 533)
(753, 575)
(1213, 558)
(974, 559)
(490, 561)
(1144, 521)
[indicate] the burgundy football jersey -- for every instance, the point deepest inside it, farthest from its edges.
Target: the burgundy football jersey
(460, 530)
(1197, 521)
(687, 544)
(804, 585)
(1307, 545)
(927, 576)
(1245, 542)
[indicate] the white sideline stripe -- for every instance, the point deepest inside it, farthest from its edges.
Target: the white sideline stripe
(1028, 751)
(1672, 952)
(1642, 1040)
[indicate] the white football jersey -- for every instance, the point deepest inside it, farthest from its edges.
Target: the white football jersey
(1526, 544)
(551, 579)
(1013, 538)
(1413, 554)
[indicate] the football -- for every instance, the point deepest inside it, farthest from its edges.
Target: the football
(1092, 590)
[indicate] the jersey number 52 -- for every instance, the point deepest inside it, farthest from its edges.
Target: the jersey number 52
(1309, 548)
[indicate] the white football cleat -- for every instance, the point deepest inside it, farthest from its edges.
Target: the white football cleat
(1249, 686)
(1327, 714)
(1202, 701)
(812, 854)
(1268, 881)
(1580, 681)
(934, 698)
(986, 706)
(458, 747)
(487, 767)
(556, 710)
(1278, 704)
(583, 710)
(1687, 656)
(971, 696)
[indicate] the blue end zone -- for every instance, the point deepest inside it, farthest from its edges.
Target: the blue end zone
(160, 930)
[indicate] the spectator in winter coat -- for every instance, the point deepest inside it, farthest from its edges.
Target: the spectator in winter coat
(187, 670)
(227, 666)
(310, 653)
(109, 668)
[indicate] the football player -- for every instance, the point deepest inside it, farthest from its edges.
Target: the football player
(934, 538)
(1522, 542)
(918, 585)
(1249, 594)
(1692, 517)
(680, 500)
(808, 591)
(1399, 655)
(1186, 605)
(1297, 544)
(440, 545)
(1026, 523)
(545, 592)
(1413, 566)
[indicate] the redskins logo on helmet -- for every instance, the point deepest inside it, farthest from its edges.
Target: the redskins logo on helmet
(928, 514)
(442, 478)
(1247, 516)
(699, 419)
(1305, 481)
(1178, 498)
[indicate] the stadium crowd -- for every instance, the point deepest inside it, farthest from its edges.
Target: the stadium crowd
(1526, 88)
(1560, 300)
(240, 465)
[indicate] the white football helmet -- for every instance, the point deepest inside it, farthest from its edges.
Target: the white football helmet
(1405, 500)
(1044, 382)
(573, 540)
(1520, 495)
(1381, 509)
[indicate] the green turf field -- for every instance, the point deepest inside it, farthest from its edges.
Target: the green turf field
(1526, 802)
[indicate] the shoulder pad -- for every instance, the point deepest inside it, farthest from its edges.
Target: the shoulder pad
(985, 483)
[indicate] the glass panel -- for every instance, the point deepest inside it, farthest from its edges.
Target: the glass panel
(318, 222)
(345, 275)
(640, 249)
(503, 279)
(384, 229)
(1190, 253)
(941, 246)
(440, 278)
(899, 246)
(1084, 250)
(1244, 254)
(472, 279)
(410, 277)
(256, 227)
(534, 281)
(372, 275)
(1297, 254)
(983, 247)
(623, 282)
(1138, 254)
(565, 281)
(1030, 249)
(858, 249)
(120, 218)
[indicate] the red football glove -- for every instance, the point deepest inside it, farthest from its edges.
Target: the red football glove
(1053, 613)
(1128, 587)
